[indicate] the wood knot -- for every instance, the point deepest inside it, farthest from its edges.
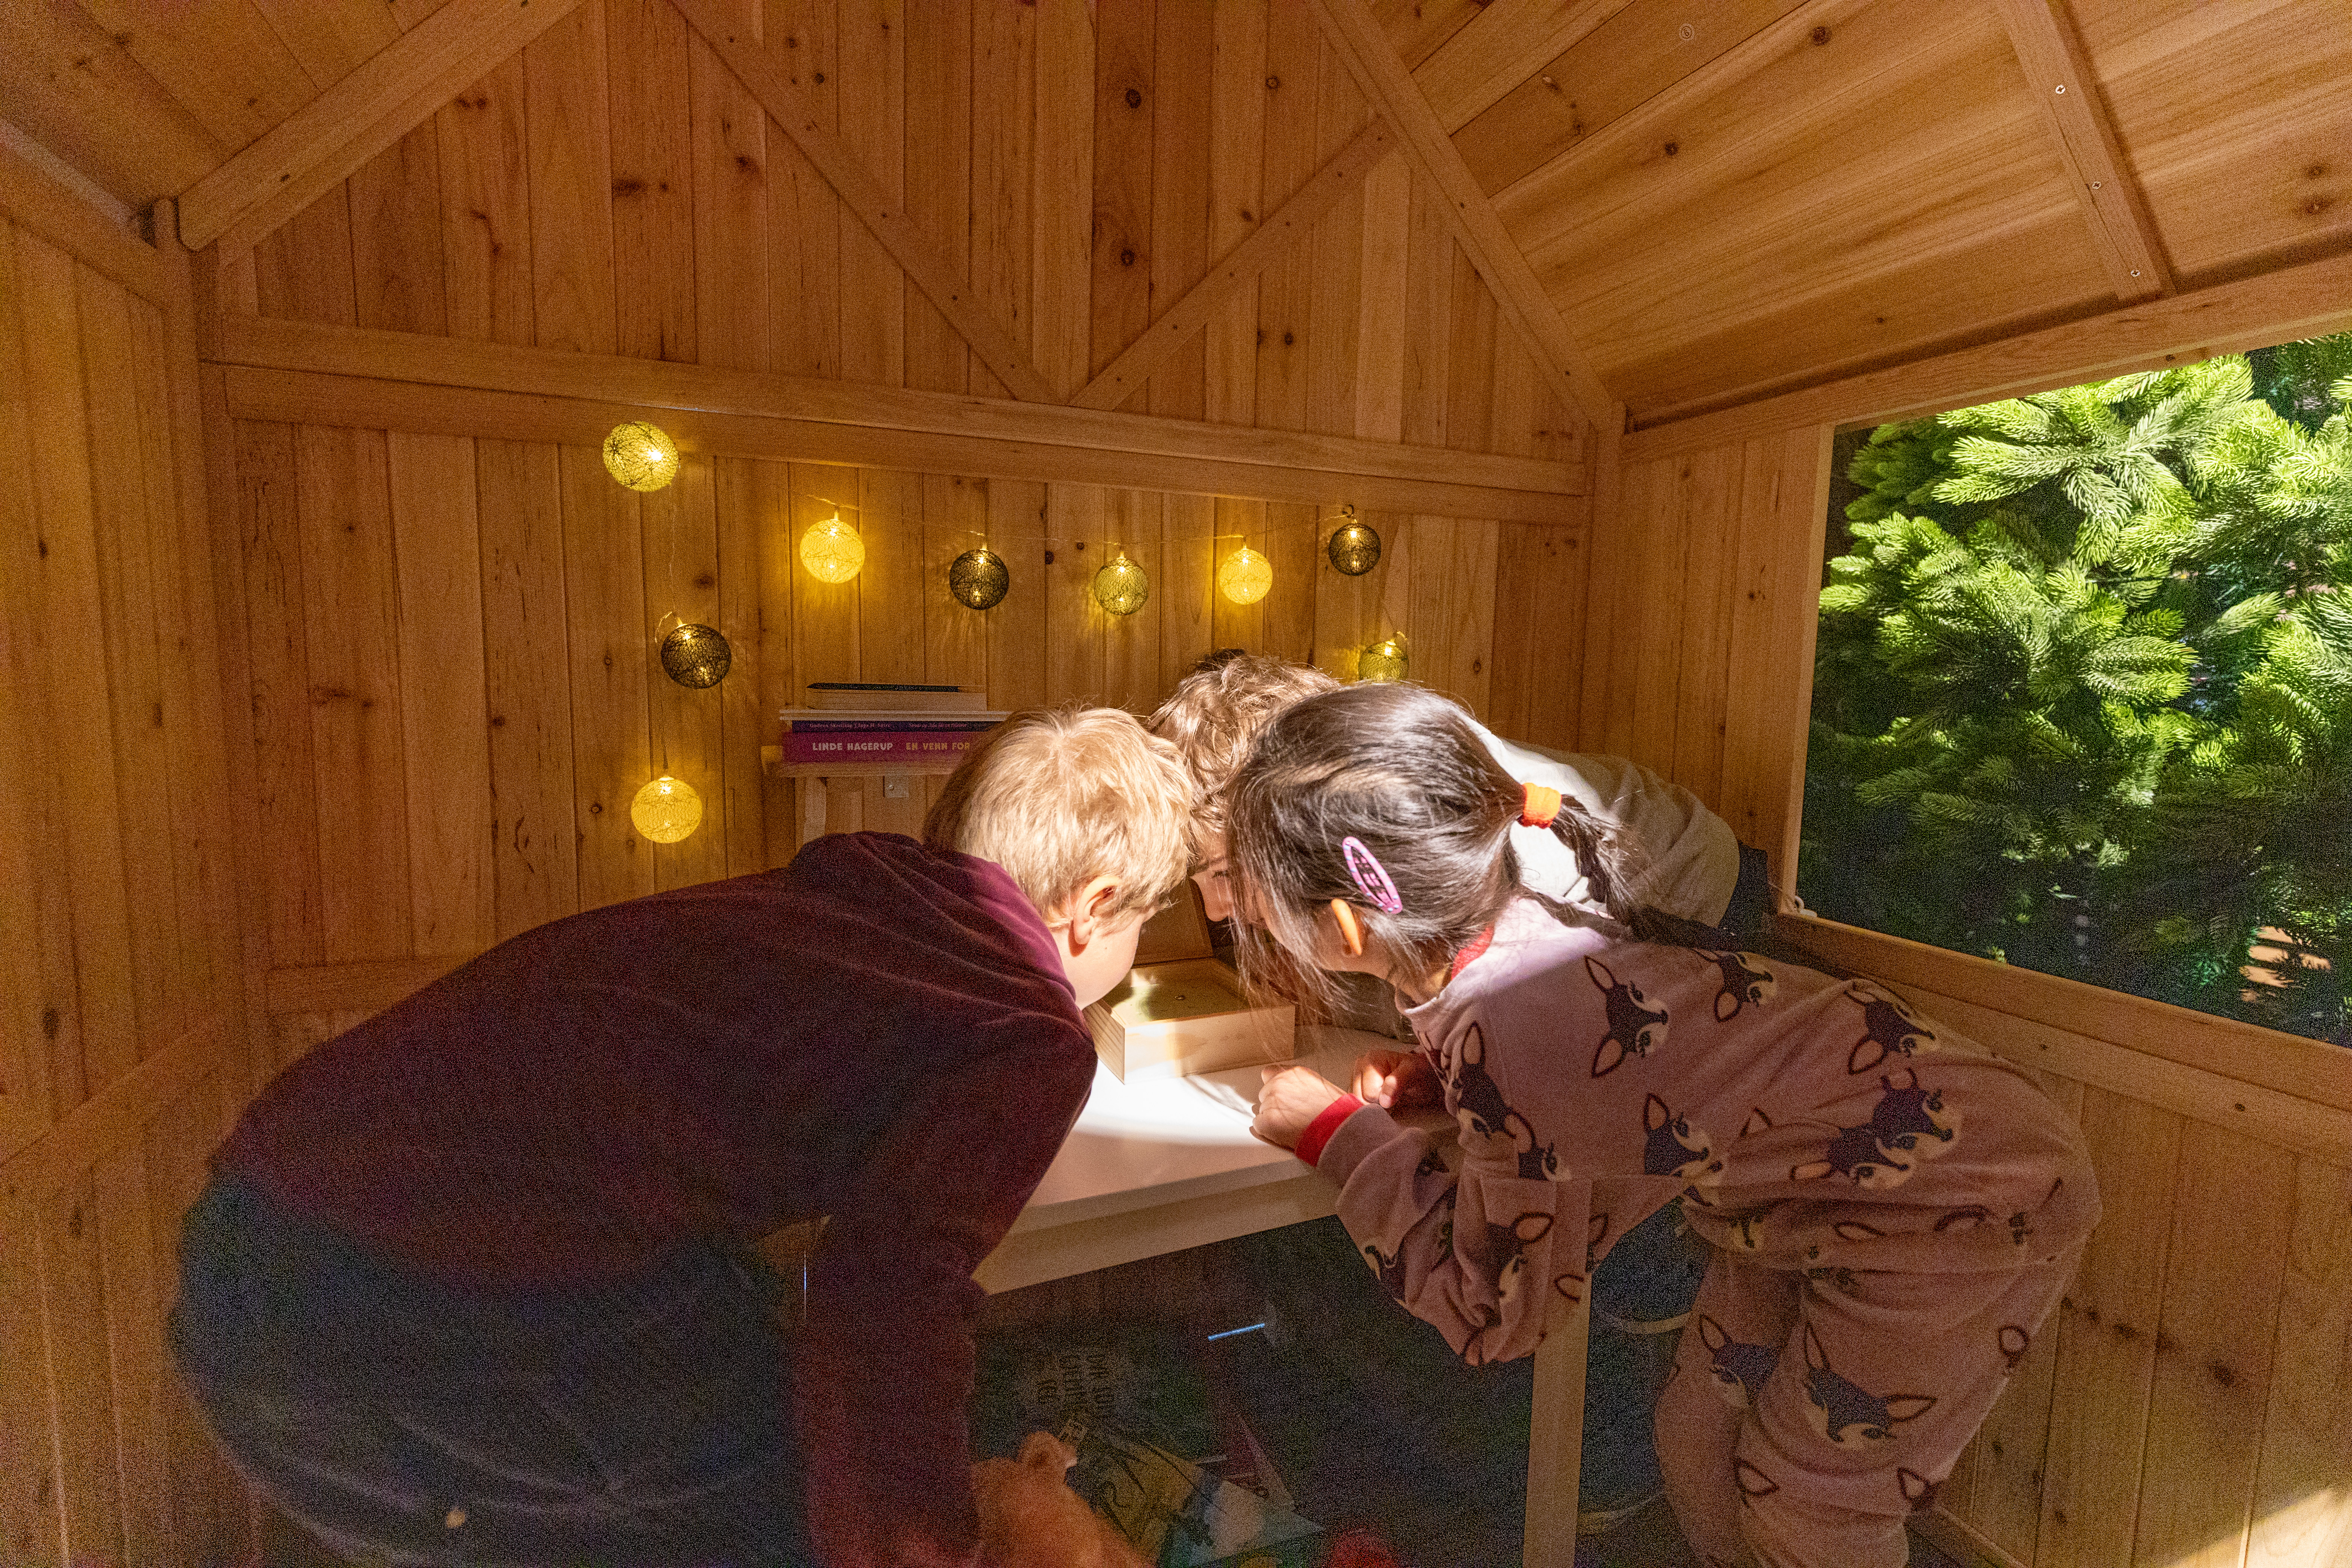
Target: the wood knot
(1672, 147)
(1272, 83)
(1127, 257)
(50, 1022)
(1134, 98)
(1821, 35)
(2223, 1375)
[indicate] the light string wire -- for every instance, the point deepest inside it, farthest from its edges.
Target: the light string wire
(854, 514)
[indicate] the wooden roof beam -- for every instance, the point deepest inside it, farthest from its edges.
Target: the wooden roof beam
(328, 137)
(1357, 35)
(883, 215)
(2058, 73)
(1241, 267)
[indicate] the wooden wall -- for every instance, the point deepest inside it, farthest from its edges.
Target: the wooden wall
(2187, 1405)
(122, 1020)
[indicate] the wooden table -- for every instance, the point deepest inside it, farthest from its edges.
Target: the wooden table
(1165, 1164)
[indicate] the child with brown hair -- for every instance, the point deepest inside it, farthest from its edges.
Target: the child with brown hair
(1893, 1211)
(471, 1282)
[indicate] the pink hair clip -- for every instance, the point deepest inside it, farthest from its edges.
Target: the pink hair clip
(1371, 878)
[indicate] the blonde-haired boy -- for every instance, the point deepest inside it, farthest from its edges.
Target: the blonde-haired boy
(469, 1282)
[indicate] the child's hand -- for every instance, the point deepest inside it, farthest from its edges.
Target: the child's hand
(1289, 1101)
(1029, 1518)
(1397, 1080)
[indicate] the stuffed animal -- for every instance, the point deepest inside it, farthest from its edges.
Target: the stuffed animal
(1029, 1516)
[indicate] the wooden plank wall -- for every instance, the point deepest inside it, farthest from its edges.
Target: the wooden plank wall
(2187, 1405)
(450, 647)
(121, 1018)
(617, 189)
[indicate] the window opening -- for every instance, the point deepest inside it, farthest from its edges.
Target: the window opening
(2083, 695)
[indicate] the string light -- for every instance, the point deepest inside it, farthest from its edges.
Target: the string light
(1354, 548)
(1121, 586)
(1384, 660)
(978, 578)
(831, 550)
(666, 810)
(696, 657)
(1244, 576)
(641, 456)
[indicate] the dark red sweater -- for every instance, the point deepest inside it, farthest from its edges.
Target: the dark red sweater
(878, 1032)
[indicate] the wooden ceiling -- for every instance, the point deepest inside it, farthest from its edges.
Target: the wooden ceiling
(1684, 203)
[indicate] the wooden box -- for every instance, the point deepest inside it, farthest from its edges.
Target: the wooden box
(1180, 1010)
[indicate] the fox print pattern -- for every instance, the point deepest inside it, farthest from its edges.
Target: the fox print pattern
(1889, 1027)
(1743, 987)
(1740, 1369)
(1675, 1148)
(1634, 1027)
(1847, 1413)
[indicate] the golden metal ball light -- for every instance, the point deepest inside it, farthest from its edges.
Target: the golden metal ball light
(695, 655)
(641, 456)
(1355, 548)
(978, 578)
(1384, 660)
(1121, 587)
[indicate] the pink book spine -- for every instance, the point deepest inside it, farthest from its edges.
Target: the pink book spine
(879, 746)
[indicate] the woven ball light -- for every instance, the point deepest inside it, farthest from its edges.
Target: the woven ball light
(695, 655)
(1384, 660)
(641, 456)
(831, 550)
(1121, 587)
(1244, 576)
(978, 578)
(666, 810)
(1354, 548)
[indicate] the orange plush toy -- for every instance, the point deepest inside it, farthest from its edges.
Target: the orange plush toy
(1029, 1518)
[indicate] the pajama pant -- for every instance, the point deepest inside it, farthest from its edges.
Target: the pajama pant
(1807, 1418)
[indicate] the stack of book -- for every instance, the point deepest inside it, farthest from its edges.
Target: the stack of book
(884, 725)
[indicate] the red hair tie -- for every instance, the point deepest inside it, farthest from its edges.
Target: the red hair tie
(1542, 806)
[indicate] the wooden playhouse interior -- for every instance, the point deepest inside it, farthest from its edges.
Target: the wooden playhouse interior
(328, 641)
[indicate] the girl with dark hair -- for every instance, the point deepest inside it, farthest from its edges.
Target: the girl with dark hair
(1893, 1211)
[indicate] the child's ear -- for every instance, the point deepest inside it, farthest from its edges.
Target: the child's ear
(1352, 933)
(1090, 906)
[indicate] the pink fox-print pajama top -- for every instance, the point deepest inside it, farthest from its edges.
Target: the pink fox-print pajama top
(1894, 1209)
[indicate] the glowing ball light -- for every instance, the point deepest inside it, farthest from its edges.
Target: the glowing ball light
(640, 456)
(696, 657)
(1354, 550)
(1384, 660)
(978, 578)
(1244, 576)
(666, 810)
(831, 550)
(1121, 587)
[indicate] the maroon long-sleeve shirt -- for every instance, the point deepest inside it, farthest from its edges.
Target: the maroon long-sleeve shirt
(878, 1032)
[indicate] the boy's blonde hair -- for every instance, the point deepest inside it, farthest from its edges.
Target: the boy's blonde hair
(1218, 711)
(1058, 797)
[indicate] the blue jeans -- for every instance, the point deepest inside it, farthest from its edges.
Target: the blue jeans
(403, 1421)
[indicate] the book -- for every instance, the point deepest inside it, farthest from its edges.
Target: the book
(894, 697)
(888, 726)
(867, 747)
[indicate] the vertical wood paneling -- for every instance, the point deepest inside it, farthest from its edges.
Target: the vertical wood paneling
(535, 861)
(1183, 70)
(443, 696)
(1701, 590)
(1003, 129)
(1121, 262)
(570, 185)
(682, 586)
(1239, 521)
(1381, 328)
(285, 780)
(29, 1480)
(825, 615)
(486, 208)
(1134, 521)
(1286, 293)
(939, 137)
(2303, 1510)
(71, 1279)
(2214, 1344)
(955, 635)
(729, 258)
(1017, 517)
(652, 179)
(1539, 634)
(204, 1496)
(1333, 320)
(757, 637)
(873, 110)
(1189, 554)
(396, 260)
(67, 622)
(121, 1215)
(1237, 101)
(1074, 624)
(304, 271)
(351, 638)
(1061, 203)
(1470, 361)
(1291, 544)
(132, 665)
(804, 216)
(39, 1001)
(605, 603)
(1427, 307)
